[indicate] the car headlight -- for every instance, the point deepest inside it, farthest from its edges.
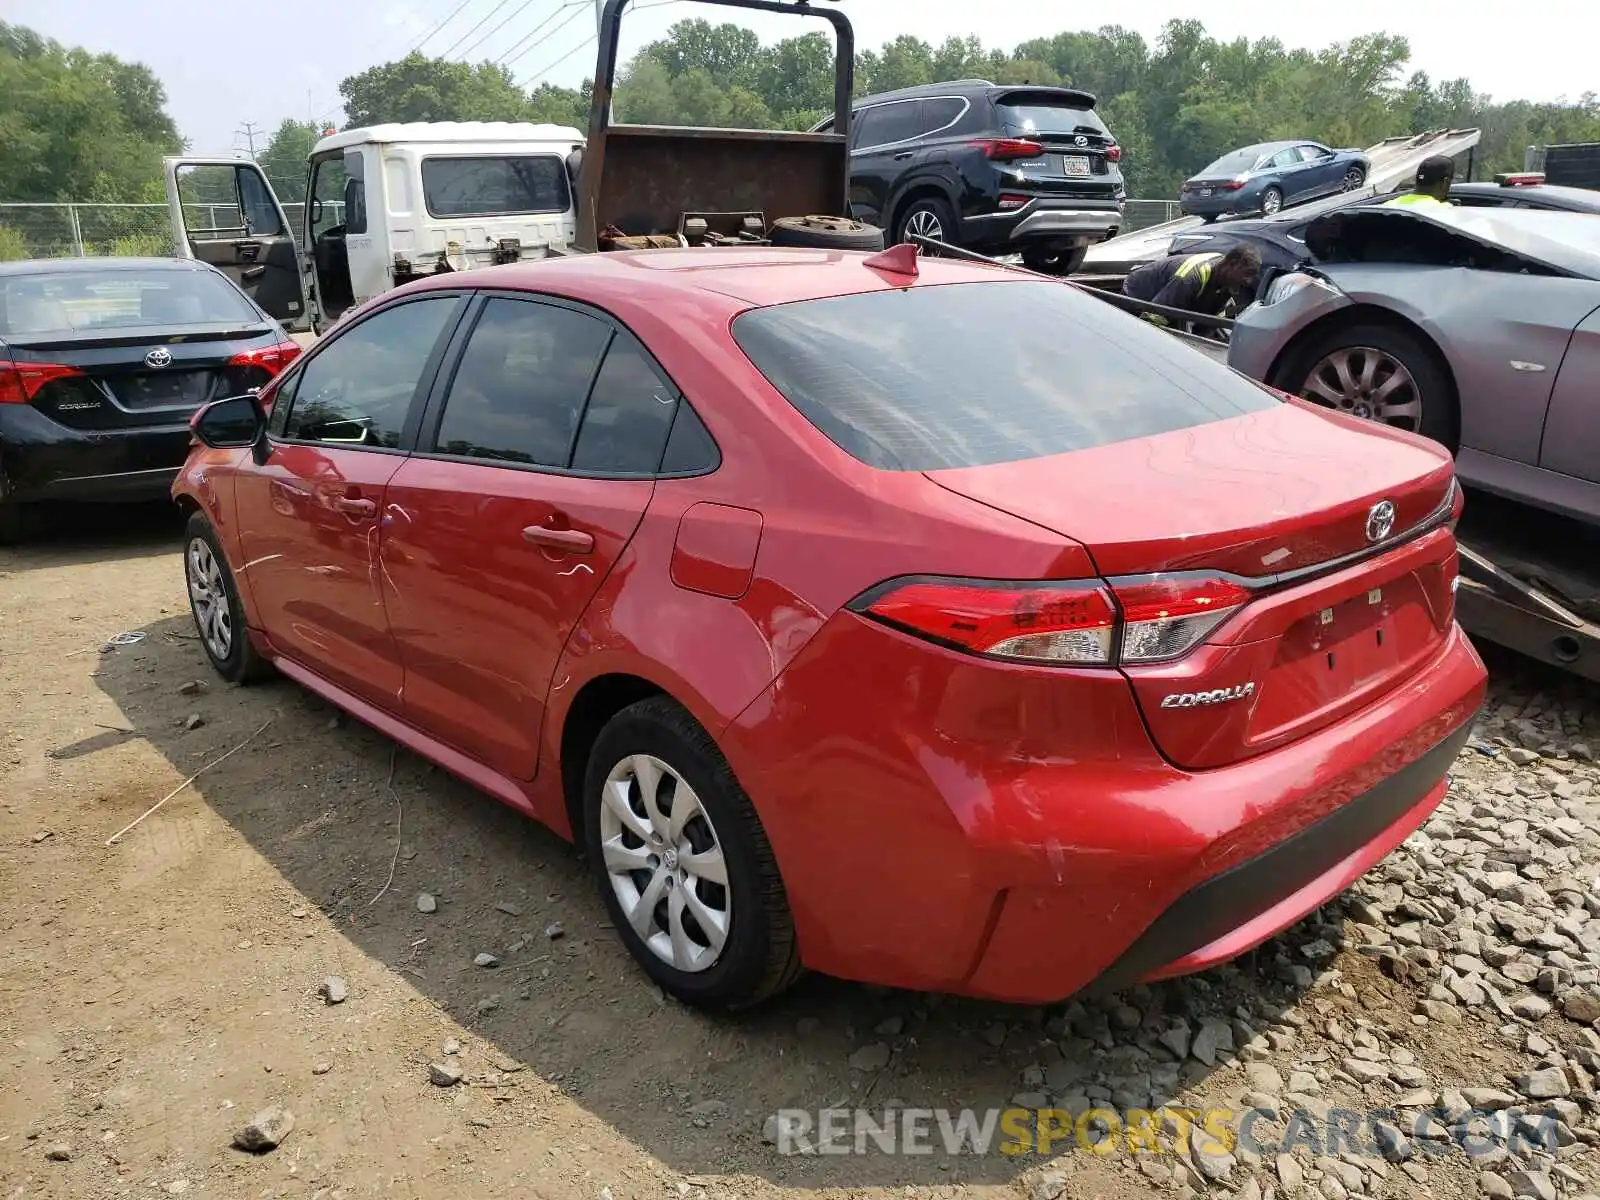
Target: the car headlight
(1288, 284)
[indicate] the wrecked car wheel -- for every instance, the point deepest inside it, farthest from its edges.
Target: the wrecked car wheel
(1054, 262)
(1381, 373)
(825, 233)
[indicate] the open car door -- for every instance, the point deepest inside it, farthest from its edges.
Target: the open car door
(224, 212)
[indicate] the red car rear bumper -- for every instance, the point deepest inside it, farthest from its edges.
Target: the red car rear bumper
(1025, 842)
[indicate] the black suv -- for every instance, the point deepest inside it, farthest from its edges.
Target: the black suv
(1003, 170)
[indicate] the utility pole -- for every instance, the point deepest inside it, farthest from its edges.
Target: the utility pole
(248, 132)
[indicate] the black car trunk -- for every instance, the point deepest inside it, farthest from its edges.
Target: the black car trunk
(131, 378)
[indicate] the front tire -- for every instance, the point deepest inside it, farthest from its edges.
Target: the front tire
(682, 863)
(930, 217)
(1380, 373)
(214, 602)
(1353, 179)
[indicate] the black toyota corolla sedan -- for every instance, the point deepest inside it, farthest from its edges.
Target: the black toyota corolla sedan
(102, 363)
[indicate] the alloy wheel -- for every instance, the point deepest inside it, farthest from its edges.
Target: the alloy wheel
(665, 863)
(1271, 202)
(208, 596)
(1366, 383)
(924, 222)
(1353, 179)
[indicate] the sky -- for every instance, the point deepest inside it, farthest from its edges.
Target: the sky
(228, 65)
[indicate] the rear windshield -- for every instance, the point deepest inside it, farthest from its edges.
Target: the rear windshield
(1052, 118)
(1232, 164)
(98, 300)
(494, 186)
(966, 375)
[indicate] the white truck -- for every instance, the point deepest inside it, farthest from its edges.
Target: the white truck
(383, 205)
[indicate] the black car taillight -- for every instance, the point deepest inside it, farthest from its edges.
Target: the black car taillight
(1074, 623)
(271, 359)
(1007, 148)
(21, 382)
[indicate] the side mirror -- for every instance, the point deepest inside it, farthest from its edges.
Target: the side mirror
(575, 164)
(230, 424)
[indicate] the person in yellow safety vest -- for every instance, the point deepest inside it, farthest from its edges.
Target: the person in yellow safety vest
(1200, 283)
(1434, 178)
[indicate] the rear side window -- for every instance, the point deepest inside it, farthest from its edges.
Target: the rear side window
(519, 389)
(628, 416)
(941, 113)
(1028, 117)
(964, 375)
(90, 301)
(494, 186)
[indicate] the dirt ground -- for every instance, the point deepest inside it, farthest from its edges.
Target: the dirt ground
(156, 993)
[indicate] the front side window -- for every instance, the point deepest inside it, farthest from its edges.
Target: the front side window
(328, 195)
(490, 186)
(519, 388)
(357, 391)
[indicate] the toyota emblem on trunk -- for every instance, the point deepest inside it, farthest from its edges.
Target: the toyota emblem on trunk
(159, 357)
(1380, 521)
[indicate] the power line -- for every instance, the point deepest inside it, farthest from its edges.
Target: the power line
(588, 41)
(554, 13)
(579, 7)
(429, 36)
(515, 13)
(448, 53)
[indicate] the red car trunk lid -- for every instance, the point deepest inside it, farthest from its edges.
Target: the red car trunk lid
(1319, 512)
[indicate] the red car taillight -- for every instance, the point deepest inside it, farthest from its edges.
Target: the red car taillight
(1003, 148)
(1010, 200)
(1113, 153)
(1077, 623)
(271, 359)
(21, 382)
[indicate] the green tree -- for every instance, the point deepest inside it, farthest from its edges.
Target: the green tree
(284, 159)
(418, 88)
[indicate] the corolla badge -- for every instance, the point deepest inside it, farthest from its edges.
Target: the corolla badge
(1238, 691)
(1380, 521)
(159, 357)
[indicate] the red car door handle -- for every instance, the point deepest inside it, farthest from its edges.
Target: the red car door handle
(574, 541)
(360, 508)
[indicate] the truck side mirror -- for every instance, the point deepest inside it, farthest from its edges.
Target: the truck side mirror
(575, 165)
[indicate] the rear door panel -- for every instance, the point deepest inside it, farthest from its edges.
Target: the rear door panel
(224, 212)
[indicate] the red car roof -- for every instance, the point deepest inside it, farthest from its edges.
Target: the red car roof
(730, 278)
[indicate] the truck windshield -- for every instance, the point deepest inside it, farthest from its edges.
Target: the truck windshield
(490, 186)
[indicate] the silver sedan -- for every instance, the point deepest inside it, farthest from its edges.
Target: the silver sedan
(1477, 328)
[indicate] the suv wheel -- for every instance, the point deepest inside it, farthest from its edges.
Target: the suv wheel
(682, 862)
(1054, 262)
(928, 217)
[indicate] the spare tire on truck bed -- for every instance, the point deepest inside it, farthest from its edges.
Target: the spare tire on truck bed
(825, 233)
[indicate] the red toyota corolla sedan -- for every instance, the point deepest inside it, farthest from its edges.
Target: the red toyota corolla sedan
(947, 630)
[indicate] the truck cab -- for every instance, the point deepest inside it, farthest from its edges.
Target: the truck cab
(382, 205)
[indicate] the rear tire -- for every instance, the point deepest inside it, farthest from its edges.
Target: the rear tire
(1315, 375)
(825, 233)
(929, 216)
(659, 798)
(1271, 201)
(1055, 262)
(214, 601)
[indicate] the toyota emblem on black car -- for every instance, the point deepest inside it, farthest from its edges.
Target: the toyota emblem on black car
(1380, 521)
(159, 357)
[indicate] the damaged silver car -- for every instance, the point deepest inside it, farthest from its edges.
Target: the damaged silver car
(1477, 328)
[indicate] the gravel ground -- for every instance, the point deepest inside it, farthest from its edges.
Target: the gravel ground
(262, 991)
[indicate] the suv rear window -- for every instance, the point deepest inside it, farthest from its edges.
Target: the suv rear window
(494, 186)
(71, 301)
(966, 375)
(1024, 117)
